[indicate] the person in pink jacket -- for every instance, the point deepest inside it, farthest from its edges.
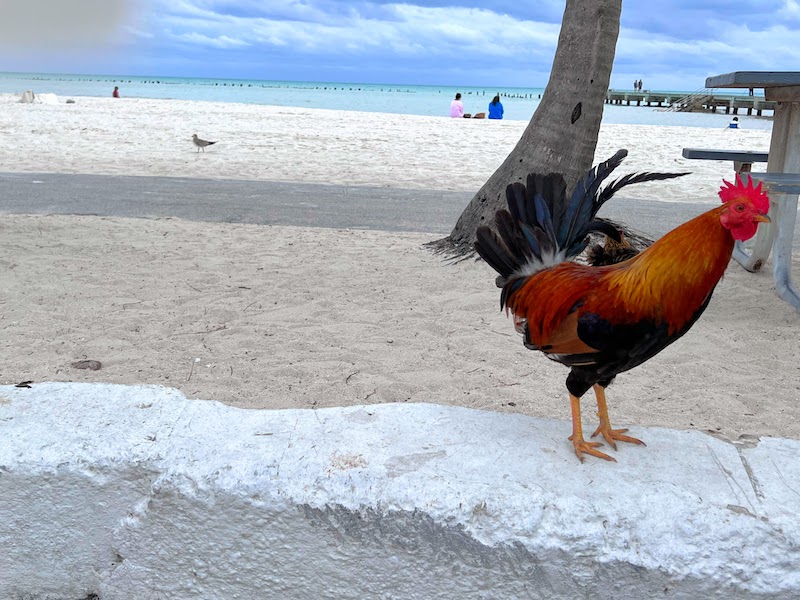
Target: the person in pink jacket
(457, 108)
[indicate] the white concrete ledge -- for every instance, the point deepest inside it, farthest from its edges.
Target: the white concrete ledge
(138, 493)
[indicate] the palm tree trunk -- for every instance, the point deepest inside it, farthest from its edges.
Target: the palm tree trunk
(562, 134)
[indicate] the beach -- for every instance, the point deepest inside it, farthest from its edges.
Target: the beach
(268, 317)
(148, 137)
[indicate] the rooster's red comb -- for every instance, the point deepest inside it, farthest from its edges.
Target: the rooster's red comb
(749, 192)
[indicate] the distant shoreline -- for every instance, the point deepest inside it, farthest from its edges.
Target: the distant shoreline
(168, 79)
(423, 100)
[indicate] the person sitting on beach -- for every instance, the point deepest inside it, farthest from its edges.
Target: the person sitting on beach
(115, 94)
(495, 108)
(734, 124)
(457, 108)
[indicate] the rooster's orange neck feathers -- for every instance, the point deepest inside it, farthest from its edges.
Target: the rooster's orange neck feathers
(667, 282)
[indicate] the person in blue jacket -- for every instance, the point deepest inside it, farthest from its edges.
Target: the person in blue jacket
(495, 108)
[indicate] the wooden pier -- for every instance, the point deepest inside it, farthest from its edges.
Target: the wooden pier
(705, 101)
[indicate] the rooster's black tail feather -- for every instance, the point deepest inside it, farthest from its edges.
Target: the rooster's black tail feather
(541, 228)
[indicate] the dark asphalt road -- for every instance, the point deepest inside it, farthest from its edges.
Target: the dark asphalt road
(232, 201)
(269, 203)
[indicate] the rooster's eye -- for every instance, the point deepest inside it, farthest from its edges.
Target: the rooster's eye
(739, 207)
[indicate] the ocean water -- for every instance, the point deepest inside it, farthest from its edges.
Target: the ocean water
(518, 103)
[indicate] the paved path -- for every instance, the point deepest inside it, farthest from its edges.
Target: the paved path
(271, 203)
(233, 201)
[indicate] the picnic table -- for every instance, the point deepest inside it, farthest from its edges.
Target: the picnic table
(783, 170)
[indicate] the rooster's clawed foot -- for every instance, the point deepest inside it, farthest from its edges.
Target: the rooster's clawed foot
(582, 446)
(612, 436)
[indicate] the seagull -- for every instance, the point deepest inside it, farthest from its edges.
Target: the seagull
(201, 144)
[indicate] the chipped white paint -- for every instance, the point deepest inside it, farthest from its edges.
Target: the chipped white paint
(136, 492)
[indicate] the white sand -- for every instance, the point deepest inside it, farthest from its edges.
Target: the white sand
(153, 137)
(273, 317)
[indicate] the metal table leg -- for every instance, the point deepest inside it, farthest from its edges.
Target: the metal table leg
(785, 216)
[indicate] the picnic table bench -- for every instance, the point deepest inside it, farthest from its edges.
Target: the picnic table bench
(742, 159)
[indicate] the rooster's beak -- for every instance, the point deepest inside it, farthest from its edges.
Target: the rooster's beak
(762, 219)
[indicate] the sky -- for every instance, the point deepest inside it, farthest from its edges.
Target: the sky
(670, 45)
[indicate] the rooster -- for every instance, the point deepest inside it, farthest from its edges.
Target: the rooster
(604, 320)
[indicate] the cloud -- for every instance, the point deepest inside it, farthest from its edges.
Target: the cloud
(680, 48)
(347, 30)
(790, 11)
(222, 41)
(414, 41)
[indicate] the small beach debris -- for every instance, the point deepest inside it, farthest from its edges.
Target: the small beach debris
(191, 371)
(94, 365)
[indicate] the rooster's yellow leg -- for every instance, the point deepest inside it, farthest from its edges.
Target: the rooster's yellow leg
(576, 438)
(610, 435)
